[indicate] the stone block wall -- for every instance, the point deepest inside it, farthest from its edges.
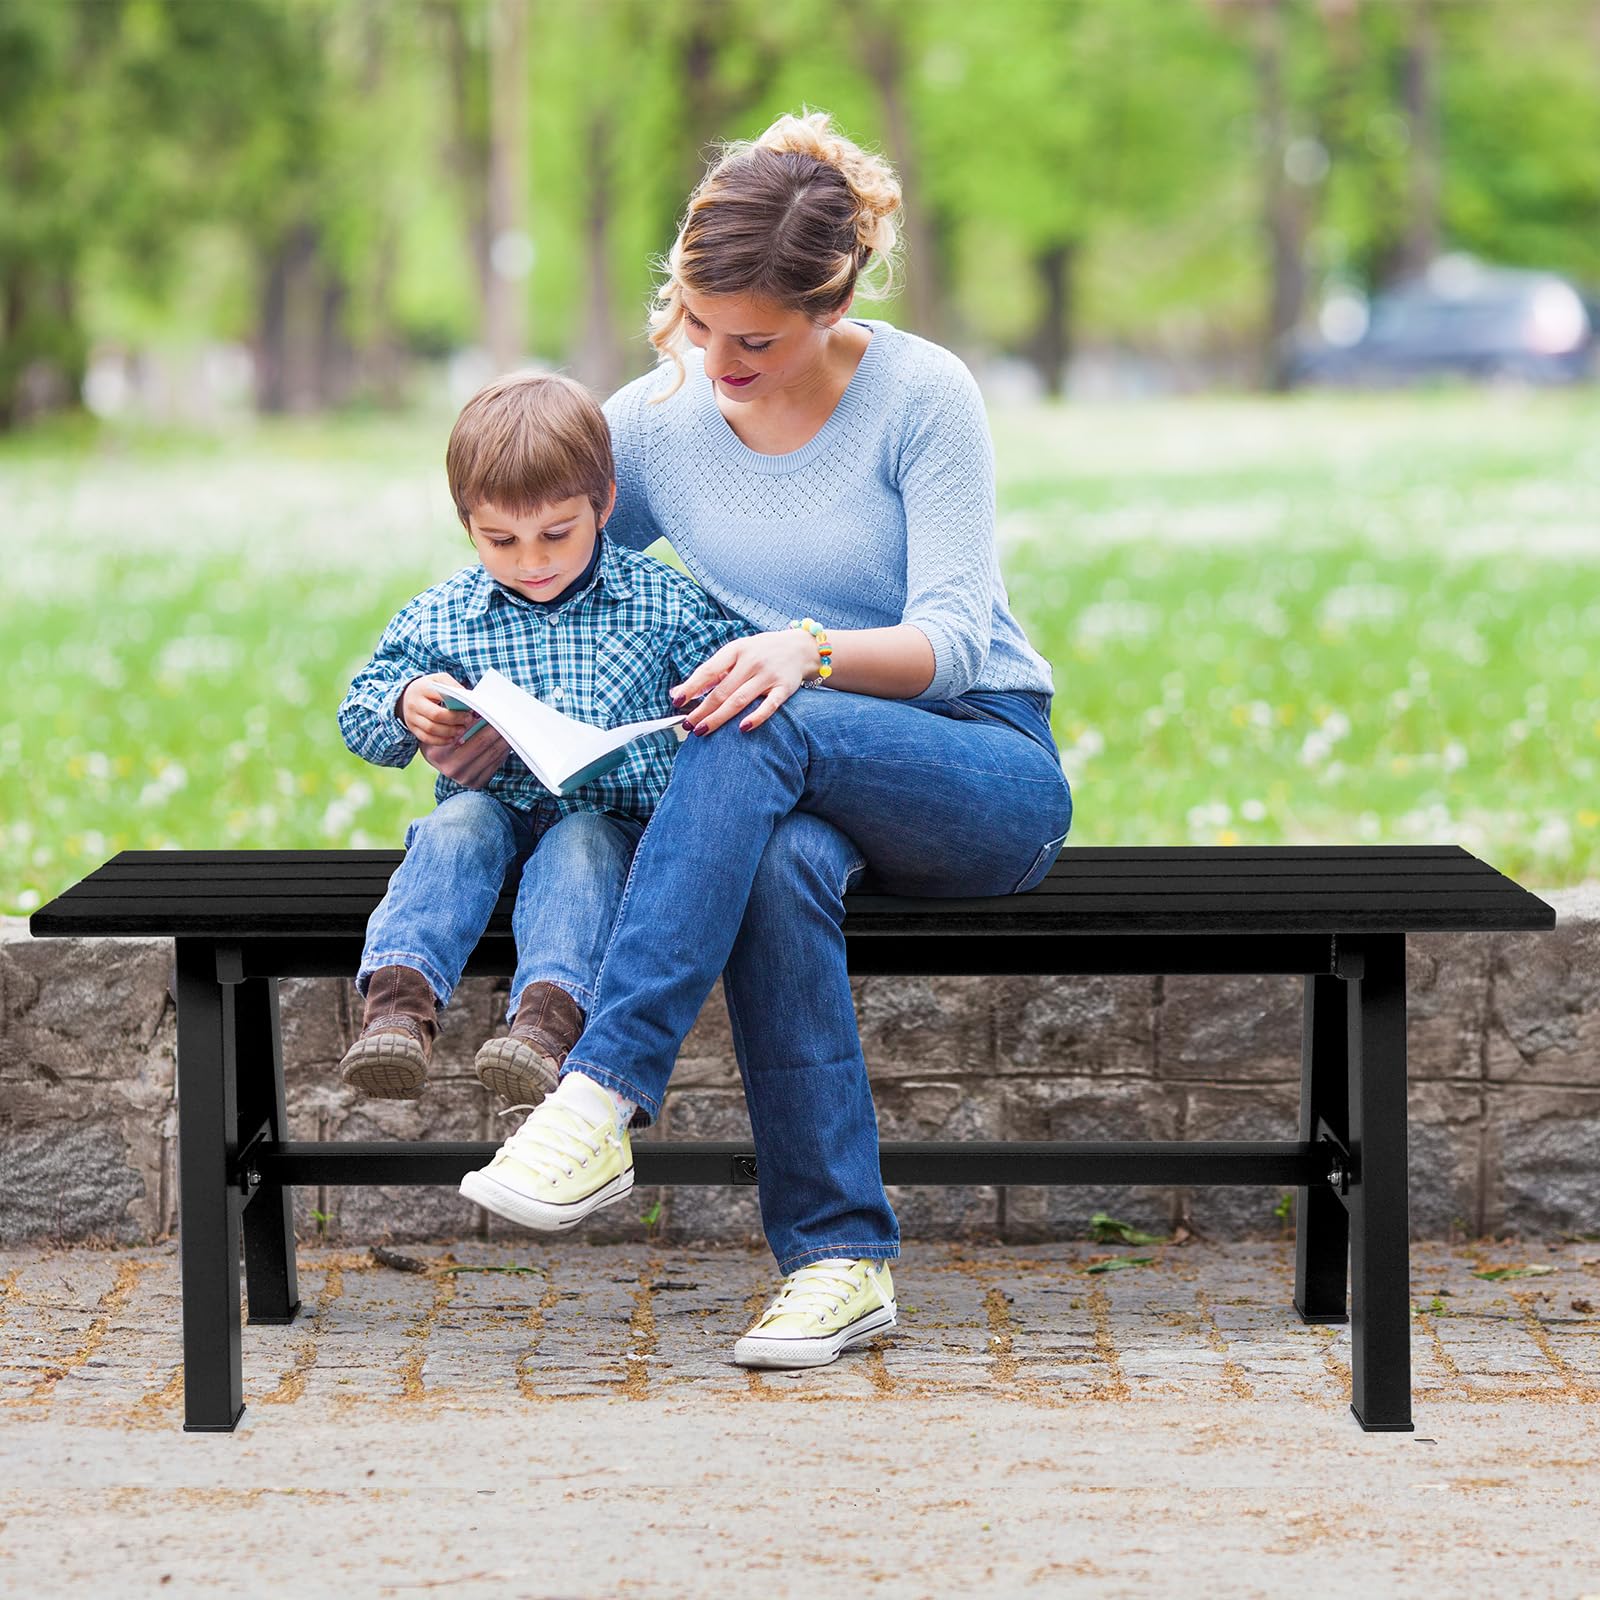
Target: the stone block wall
(1504, 1056)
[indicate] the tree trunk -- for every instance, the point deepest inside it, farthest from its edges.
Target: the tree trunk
(333, 366)
(1051, 345)
(1284, 208)
(599, 356)
(712, 109)
(286, 362)
(467, 145)
(12, 358)
(884, 49)
(377, 368)
(506, 295)
(1420, 92)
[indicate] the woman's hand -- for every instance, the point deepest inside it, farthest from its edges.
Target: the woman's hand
(772, 665)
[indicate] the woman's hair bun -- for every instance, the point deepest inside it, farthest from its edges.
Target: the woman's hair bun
(800, 216)
(871, 179)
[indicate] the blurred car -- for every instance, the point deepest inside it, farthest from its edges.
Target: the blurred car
(1459, 318)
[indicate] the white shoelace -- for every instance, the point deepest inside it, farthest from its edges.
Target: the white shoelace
(818, 1288)
(549, 1147)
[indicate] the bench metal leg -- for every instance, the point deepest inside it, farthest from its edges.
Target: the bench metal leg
(208, 1203)
(1380, 1243)
(1322, 1225)
(271, 1283)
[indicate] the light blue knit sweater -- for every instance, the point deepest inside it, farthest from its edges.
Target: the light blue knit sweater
(886, 516)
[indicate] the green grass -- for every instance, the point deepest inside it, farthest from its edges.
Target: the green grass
(1332, 619)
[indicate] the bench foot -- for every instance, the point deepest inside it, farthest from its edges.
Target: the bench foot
(1382, 1427)
(259, 1321)
(1321, 1319)
(214, 1427)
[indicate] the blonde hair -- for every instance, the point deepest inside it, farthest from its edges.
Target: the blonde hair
(800, 216)
(526, 441)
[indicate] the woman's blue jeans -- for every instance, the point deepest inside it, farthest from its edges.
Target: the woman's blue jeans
(743, 870)
(441, 896)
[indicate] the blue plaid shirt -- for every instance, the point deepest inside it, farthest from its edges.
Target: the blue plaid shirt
(606, 655)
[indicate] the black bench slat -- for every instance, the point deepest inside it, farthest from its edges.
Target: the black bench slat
(1088, 852)
(1454, 885)
(1052, 916)
(1064, 878)
(1185, 890)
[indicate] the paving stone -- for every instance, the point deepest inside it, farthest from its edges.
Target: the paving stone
(101, 1329)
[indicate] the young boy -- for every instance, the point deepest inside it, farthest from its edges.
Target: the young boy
(598, 632)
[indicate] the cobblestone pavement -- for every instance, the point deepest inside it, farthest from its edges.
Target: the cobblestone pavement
(564, 1420)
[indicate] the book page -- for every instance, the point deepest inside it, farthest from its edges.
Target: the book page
(561, 752)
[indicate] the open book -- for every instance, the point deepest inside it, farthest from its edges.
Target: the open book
(561, 752)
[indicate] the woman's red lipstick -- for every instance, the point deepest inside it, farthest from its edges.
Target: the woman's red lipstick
(739, 383)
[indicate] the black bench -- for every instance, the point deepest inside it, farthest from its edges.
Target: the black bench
(1336, 914)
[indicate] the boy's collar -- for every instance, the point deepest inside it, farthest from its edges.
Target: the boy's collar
(610, 574)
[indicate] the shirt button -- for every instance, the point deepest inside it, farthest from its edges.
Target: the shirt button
(553, 620)
(555, 694)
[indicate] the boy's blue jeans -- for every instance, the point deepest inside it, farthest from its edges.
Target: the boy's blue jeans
(441, 896)
(744, 867)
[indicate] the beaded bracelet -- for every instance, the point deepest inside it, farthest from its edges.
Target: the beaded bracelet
(824, 649)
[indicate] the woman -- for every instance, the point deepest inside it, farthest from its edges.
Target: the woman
(804, 465)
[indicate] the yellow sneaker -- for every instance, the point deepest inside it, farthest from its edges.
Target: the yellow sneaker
(823, 1308)
(567, 1159)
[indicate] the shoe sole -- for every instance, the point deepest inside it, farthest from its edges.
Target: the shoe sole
(389, 1067)
(784, 1353)
(542, 1215)
(514, 1070)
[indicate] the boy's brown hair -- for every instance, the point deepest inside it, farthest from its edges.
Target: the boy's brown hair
(528, 440)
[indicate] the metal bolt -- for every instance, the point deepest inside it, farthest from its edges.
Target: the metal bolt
(1336, 1177)
(253, 1178)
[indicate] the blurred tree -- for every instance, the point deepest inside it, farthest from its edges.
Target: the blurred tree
(46, 53)
(345, 184)
(1420, 102)
(1048, 124)
(506, 208)
(889, 33)
(1520, 118)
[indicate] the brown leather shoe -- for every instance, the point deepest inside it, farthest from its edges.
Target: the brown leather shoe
(523, 1066)
(389, 1060)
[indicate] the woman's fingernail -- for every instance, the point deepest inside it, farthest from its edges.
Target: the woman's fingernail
(745, 727)
(702, 729)
(686, 723)
(675, 696)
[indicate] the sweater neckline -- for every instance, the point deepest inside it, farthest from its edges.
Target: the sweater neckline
(848, 404)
